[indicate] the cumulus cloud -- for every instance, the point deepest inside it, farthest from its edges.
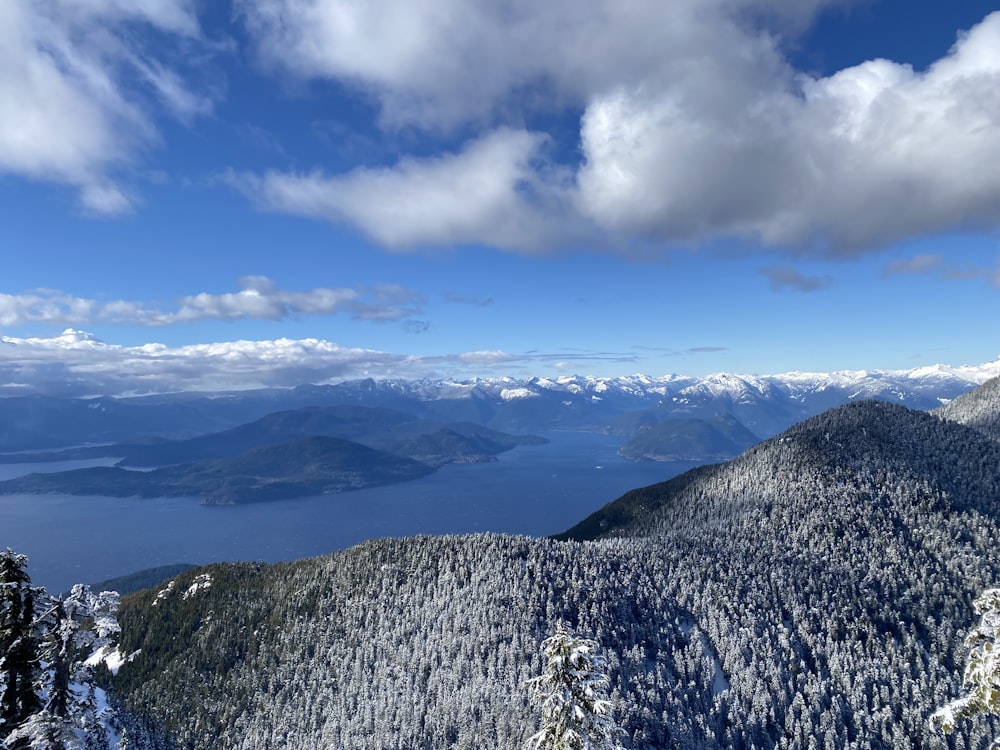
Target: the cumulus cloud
(856, 161)
(444, 63)
(258, 298)
(785, 277)
(76, 363)
(693, 125)
(492, 188)
(72, 108)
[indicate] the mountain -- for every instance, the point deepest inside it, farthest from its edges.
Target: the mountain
(765, 405)
(384, 429)
(979, 409)
(301, 468)
(811, 592)
(710, 439)
(457, 442)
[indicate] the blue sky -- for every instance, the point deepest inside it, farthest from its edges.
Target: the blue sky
(233, 194)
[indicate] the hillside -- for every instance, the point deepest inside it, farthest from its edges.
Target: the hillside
(301, 468)
(979, 409)
(711, 439)
(811, 592)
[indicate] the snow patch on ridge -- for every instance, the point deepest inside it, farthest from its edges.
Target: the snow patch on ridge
(512, 394)
(164, 592)
(202, 581)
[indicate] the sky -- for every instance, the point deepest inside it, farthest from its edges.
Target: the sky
(202, 195)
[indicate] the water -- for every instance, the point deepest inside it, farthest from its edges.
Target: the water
(534, 490)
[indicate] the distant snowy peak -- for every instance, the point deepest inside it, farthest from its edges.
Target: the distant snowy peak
(739, 388)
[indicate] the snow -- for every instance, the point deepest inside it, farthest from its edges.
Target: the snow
(719, 681)
(202, 581)
(512, 394)
(741, 388)
(164, 592)
(111, 657)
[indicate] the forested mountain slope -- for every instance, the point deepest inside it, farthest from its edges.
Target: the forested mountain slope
(811, 593)
(979, 408)
(711, 439)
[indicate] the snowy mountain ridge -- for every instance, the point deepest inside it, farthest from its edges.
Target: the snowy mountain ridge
(764, 404)
(866, 383)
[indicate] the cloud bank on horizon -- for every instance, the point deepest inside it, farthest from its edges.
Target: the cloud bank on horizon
(77, 364)
(692, 124)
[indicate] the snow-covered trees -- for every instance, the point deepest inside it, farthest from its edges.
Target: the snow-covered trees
(17, 646)
(572, 691)
(982, 670)
(47, 653)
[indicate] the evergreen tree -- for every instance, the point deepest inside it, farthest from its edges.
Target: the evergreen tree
(982, 670)
(572, 691)
(48, 701)
(18, 658)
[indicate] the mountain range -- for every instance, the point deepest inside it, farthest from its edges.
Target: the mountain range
(763, 405)
(812, 592)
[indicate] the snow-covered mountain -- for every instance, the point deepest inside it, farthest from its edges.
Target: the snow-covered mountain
(764, 404)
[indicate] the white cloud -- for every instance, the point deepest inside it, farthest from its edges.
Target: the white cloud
(694, 125)
(68, 113)
(258, 298)
(76, 363)
(866, 157)
(441, 63)
(492, 188)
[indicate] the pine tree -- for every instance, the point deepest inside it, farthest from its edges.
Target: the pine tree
(572, 691)
(45, 646)
(982, 670)
(18, 657)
